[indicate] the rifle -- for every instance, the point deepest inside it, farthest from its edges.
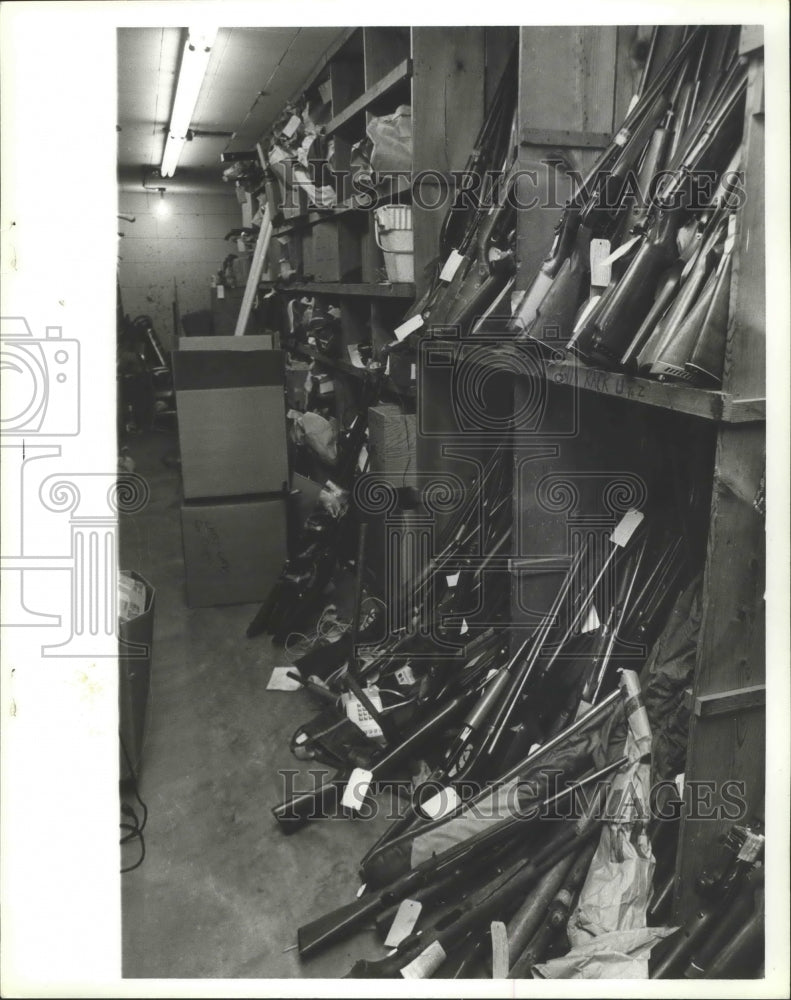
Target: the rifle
(557, 915)
(524, 924)
(743, 954)
(706, 957)
(487, 151)
(343, 921)
(706, 362)
(675, 952)
(570, 220)
(667, 338)
(626, 303)
(482, 759)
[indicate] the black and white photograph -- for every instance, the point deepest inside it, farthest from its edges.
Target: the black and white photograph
(394, 434)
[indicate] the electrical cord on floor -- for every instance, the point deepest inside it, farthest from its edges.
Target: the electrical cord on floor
(134, 828)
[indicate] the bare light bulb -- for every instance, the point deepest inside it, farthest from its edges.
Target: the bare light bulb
(162, 209)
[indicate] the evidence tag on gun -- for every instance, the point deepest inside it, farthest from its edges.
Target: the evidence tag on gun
(356, 788)
(403, 922)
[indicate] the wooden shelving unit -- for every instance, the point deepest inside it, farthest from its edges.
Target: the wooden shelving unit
(590, 430)
(372, 96)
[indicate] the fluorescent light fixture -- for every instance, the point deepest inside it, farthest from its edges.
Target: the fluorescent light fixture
(194, 63)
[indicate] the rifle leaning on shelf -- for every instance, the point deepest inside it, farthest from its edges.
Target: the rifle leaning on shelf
(605, 332)
(610, 170)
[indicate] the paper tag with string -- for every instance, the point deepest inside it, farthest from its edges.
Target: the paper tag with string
(623, 249)
(599, 265)
(356, 788)
(451, 266)
(626, 527)
(442, 803)
(404, 676)
(403, 922)
(426, 963)
(291, 126)
(408, 327)
(500, 956)
(592, 621)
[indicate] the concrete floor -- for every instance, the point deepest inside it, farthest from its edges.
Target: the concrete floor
(221, 891)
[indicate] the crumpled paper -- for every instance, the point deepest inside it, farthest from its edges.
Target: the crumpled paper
(319, 434)
(615, 955)
(607, 929)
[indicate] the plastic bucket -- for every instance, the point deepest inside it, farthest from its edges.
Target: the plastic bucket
(395, 239)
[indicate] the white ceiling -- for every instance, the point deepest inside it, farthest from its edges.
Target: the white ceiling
(251, 75)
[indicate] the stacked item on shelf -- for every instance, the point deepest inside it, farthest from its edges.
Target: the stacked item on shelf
(296, 594)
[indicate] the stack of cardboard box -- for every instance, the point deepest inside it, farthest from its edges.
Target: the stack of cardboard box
(234, 465)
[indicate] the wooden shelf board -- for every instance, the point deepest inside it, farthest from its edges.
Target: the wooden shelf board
(706, 403)
(392, 290)
(347, 368)
(402, 71)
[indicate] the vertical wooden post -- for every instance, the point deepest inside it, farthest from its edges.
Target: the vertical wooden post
(731, 653)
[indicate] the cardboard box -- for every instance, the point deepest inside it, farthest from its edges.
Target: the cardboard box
(392, 444)
(234, 551)
(136, 638)
(231, 417)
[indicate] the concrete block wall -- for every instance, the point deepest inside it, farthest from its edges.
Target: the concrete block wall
(178, 251)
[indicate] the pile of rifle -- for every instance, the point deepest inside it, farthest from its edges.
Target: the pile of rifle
(638, 278)
(540, 715)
